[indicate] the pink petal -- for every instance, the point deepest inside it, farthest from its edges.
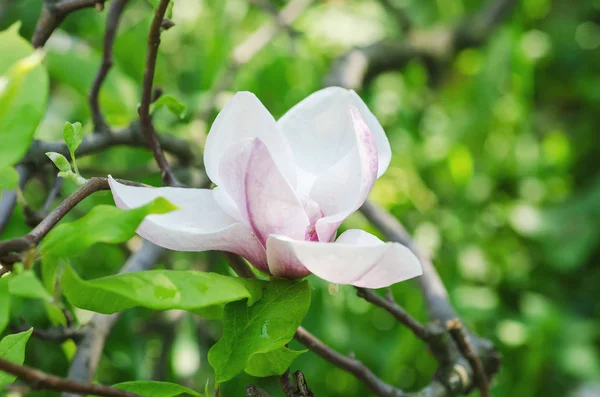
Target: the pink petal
(320, 132)
(346, 185)
(357, 258)
(199, 224)
(246, 117)
(264, 198)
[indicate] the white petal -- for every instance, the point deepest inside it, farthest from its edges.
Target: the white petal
(246, 117)
(198, 225)
(357, 258)
(320, 130)
(346, 185)
(264, 198)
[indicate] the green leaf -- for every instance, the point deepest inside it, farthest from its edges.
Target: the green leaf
(156, 289)
(272, 363)
(59, 161)
(261, 328)
(156, 389)
(4, 304)
(73, 177)
(175, 106)
(12, 348)
(103, 224)
(27, 285)
(23, 98)
(9, 178)
(73, 136)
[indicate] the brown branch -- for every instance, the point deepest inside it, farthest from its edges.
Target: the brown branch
(53, 13)
(41, 380)
(461, 339)
(348, 364)
(112, 23)
(54, 334)
(40, 231)
(168, 177)
(395, 310)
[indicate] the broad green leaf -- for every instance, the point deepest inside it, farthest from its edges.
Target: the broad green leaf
(9, 178)
(12, 348)
(27, 285)
(73, 136)
(59, 161)
(174, 105)
(261, 328)
(157, 289)
(272, 363)
(4, 303)
(24, 109)
(50, 267)
(156, 389)
(103, 224)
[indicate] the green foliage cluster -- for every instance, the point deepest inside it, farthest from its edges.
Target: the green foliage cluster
(495, 170)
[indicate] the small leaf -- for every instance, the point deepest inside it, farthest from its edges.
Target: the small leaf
(273, 363)
(12, 348)
(261, 328)
(73, 136)
(157, 289)
(103, 224)
(27, 285)
(9, 178)
(73, 177)
(175, 106)
(4, 303)
(155, 389)
(59, 161)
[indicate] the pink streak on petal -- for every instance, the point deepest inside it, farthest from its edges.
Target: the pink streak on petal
(264, 197)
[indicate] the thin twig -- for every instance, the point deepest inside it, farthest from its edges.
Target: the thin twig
(53, 14)
(462, 340)
(395, 310)
(168, 177)
(348, 364)
(33, 218)
(37, 379)
(112, 23)
(39, 232)
(53, 334)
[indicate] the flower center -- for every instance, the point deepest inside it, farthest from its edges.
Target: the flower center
(314, 213)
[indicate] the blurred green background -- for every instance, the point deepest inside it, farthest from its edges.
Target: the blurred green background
(495, 170)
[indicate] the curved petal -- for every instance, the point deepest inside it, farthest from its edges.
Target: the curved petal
(357, 258)
(319, 130)
(345, 186)
(246, 117)
(264, 198)
(198, 225)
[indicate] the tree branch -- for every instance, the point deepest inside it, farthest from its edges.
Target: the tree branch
(397, 311)
(168, 177)
(41, 380)
(112, 23)
(39, 232)
(461, 339)
(53, 13)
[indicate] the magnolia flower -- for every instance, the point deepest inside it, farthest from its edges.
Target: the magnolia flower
(283, 189)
